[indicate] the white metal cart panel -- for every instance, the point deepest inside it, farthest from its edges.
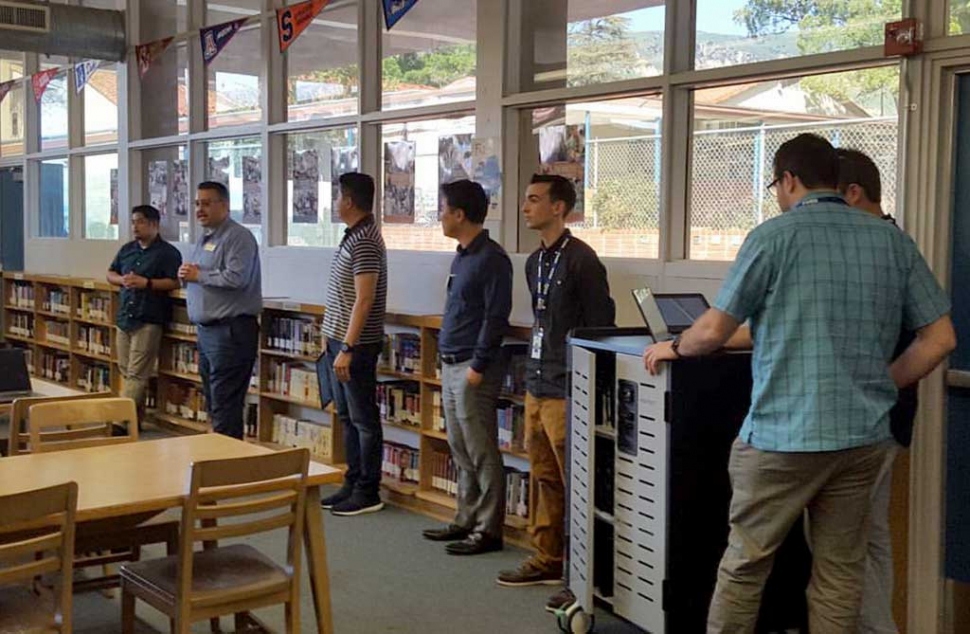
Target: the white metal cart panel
(582, 409)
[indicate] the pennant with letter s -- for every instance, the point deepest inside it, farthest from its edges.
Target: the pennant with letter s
(394, 10)
(6, 87)
(215, 38)
(83, 72)
(292, 21)
(146, 54)
(41, 80)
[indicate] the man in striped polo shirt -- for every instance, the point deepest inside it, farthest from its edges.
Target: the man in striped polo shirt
(825, 319)
(354, 329)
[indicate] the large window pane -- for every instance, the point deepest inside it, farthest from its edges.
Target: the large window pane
(234, 84)
(52, 199)
(429, 56)
(53, 107)
(166, 185)
(12, 107)
(101, 106)
(325, 85)
(959, 17)
(611, 150)
(425, 232)
(165, 87)
(314, 161)
(236, 164)
(737, 130)
(733, 32)
(581, 43)
(101, 197)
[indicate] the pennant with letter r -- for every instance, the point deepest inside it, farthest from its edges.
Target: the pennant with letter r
(292, 21)
(83, 72)
(6, 87)
(394, 10)
(41, 80)
(215, 38)
(146, 54)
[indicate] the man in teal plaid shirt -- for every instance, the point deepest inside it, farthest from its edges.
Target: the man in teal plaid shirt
(827, 289)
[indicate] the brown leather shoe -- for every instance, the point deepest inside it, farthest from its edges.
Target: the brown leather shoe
(528, 574)
(561, 600)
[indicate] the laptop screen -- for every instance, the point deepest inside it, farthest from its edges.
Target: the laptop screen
(681, 310)
(652, 317)
(13, 371)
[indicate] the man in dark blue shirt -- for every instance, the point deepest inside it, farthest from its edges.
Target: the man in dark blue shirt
(146, 269)
(476, 318)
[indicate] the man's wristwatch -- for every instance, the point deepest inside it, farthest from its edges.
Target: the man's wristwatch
(675, 346)
(347, 348)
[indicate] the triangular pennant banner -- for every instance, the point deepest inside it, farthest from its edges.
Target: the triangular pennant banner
(6, 87)
(215, 38)
(394, 10)
(83, 72)
(41, 80)
(146, 54)
(293, 20)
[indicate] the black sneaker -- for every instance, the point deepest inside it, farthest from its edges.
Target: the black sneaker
(353, 506)
(333, 500)
(475, 544)
(450, 533)
(528, 574)
(561, 600)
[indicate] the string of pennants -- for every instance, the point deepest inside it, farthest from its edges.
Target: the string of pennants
(291, 22)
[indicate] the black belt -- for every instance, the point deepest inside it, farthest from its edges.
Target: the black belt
(225, 320)
(452, 359)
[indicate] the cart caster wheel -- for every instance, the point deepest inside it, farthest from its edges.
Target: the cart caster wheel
(573, 620)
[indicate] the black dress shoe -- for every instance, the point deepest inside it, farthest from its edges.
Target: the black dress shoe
(450, 533)
(475, 544)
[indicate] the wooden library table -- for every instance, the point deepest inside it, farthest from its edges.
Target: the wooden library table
(127, 482)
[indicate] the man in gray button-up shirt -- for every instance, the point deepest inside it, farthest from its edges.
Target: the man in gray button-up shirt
(224, 297)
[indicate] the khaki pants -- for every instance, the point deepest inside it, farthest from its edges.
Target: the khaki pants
(137, 353)
(545, 425)
(770, 492)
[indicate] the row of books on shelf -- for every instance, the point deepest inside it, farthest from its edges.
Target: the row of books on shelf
(185, 401)
(58, 332)
(402, 353)
(295, 432)
(185, 358)
(400, 402)
(94, 306)
(92, 377)
(21, 325)
(91, 338)
(295, 335)
(444, 478)
(295, 380)
(57, 300)
(400, 462)
(55, 366)
(21, 295)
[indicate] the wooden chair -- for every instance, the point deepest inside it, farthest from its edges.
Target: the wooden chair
(195, 586)
(19, 439)
(37, 538)
(93, 422)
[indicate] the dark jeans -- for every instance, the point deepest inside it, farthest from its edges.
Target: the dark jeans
(357, 411)
(227, 352)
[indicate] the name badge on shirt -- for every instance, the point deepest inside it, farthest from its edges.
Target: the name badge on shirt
(537, 343)
(210, 246)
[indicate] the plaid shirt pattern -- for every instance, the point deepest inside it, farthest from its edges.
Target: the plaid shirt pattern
(827, 289)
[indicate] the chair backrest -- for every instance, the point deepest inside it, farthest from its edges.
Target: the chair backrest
(19, 440)
(98, 414)
(224, 496)
(37, 537)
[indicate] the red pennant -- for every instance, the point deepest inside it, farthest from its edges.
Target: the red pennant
(6, 87)
(293, 20)
(146, 54)
(41, 80)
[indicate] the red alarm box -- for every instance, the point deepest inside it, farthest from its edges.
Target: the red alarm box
(903, 38)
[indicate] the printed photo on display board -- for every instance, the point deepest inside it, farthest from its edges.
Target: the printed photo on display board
(454, 158)
(219, 170)
(342, 160)
(306, 188)
(158, 186)
(113, 188)
(562, 151)
(399, 182)
(252, 190)
(487, 172)
(180, 188)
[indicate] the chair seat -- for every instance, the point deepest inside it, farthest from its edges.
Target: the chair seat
(220, 575)
(22, 611)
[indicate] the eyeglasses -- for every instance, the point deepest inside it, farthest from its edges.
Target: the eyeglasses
(773, 184)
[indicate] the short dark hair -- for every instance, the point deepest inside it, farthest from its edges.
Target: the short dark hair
(468, 196)
(360, 188)
(560, 189)
(217, 187)
(811, 158)
(857, 168)
(148, 212)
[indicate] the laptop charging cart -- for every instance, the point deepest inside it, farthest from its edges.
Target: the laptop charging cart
(649, 491)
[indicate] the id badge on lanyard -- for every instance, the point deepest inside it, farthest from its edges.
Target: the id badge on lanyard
(537, 336)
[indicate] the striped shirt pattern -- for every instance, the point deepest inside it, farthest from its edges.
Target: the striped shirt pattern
(361, 251)
(828, 289)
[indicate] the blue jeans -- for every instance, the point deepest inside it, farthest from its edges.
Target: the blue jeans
(357, 411)
(227, 352)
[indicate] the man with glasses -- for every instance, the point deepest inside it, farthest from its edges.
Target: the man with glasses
(824, 323)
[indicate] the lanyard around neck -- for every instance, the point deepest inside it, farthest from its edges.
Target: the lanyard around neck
(544, 281)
